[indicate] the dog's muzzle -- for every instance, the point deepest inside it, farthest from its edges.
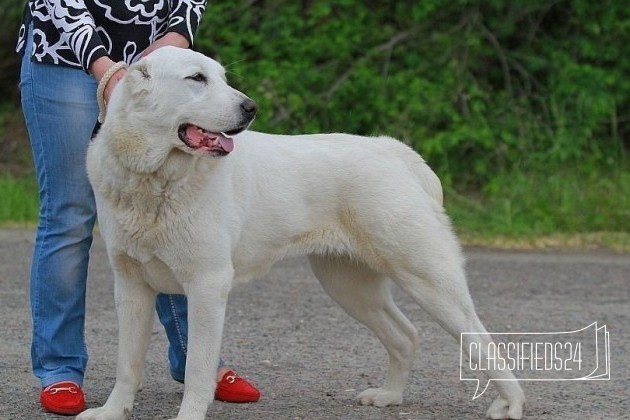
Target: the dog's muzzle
(195, 137)
(217, 143)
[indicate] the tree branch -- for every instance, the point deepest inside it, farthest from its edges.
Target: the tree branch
(386, 46)
(502, 57)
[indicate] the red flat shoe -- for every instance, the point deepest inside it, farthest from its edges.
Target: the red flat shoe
(234, 389)
(64, 397)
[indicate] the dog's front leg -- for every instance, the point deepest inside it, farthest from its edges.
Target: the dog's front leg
(207, 302)
(135, 303)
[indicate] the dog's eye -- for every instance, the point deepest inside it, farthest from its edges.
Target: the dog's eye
(198, 77)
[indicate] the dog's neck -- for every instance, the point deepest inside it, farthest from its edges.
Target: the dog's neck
(130, 164)
(149, 201)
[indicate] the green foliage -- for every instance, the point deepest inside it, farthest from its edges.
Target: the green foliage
(521, 104)
(481, 88)
(19, 199)
(530, 205)
(10, 15)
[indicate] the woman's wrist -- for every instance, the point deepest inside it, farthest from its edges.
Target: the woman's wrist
(106, 86)
(170, 38)
(176, 39)
(99, 67)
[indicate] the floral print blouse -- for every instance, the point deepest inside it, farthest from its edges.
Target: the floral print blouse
(75, 33)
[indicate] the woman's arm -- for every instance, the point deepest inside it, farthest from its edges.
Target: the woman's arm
(77, 29)
(185, 17)
(183, 22)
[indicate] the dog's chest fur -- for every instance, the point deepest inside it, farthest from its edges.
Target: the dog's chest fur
(150, 212)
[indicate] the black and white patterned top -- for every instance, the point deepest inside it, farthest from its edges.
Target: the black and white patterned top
(74, 33)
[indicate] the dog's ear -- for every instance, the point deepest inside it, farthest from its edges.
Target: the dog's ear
(139, 78)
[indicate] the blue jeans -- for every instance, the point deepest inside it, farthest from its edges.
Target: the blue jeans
(60, 110)
(172, 312)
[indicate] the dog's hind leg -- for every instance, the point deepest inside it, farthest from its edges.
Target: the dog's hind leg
(439, 285)
(365, 295)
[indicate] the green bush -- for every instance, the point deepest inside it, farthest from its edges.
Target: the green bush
(520, 106)
(10, 15)
(482, 88)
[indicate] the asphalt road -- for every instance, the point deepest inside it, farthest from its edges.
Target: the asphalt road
(310, 359)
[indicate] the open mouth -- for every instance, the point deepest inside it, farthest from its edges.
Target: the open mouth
(218, 144)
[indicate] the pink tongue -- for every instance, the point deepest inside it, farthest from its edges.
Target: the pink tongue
(201, 139)
(226, 142)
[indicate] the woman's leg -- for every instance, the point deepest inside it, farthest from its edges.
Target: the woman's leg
(60, 111)
(173, 313)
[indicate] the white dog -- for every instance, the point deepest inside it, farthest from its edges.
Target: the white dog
(186, 208)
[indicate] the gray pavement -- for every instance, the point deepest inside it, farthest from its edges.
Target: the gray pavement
(310, 359)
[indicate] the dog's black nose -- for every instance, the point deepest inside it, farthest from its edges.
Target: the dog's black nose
(249, 107)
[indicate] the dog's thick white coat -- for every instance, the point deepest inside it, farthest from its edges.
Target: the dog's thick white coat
(175, 219)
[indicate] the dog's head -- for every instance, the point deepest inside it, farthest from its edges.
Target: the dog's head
(180, 99)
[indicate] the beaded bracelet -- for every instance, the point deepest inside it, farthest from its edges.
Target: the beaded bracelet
(100, 91)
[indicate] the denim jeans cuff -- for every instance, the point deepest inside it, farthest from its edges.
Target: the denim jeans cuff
(178, 376)
(49, 380)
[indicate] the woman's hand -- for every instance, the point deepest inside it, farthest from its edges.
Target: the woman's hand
(99, 67)
(170, 38)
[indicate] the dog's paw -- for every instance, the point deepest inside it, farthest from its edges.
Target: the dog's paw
(103, 413)
(502, 409)
(379, 397)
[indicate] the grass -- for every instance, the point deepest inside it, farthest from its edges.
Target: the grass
(564, 209)
(523, 212)
(19, 204)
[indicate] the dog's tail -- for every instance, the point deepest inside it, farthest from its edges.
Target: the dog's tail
(417, 165)
(428, 179)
